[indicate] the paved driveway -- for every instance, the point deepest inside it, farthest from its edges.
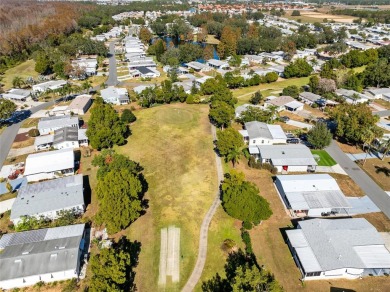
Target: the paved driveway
(299, 124)
(112, 75)
(372, 190)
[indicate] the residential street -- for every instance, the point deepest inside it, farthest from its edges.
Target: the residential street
(112, 75)
(372, 190)
(9, 134)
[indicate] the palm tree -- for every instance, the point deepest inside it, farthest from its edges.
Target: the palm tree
(87, 85)
(386, 148)
(369, 136)
(234, 156)
(17, 82)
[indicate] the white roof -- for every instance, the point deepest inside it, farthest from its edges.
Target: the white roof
(80, 101)
(57, 122)
(373, 256)
(50, 161)
(45, 139)
(294, 104)
(290, 154)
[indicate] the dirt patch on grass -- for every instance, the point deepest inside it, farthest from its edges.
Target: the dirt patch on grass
(379, 171)
(347, 185)
(21, 137)
(292, 116)
(25, 143)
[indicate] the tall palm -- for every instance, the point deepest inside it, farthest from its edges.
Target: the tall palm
(87, 85)
(17, 82)
(386, 148)
(234, 156)
(369, 136)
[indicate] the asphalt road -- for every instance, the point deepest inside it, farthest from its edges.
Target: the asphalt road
(9, 134)
(112, 74)
(372, 190)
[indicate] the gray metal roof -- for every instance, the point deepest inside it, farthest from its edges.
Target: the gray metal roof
(310, 96)
(339, 243)
(262, 130)
(57, 122)
(40, 252)
(52, 195)
(44, 139)
(289, 154)
(67, 134)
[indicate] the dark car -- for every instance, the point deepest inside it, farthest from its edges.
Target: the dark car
(293, 141)
(284, 119)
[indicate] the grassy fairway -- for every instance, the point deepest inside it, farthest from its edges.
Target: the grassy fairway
(174, 145)
(325, 158)
(24, 70)
(244, 94)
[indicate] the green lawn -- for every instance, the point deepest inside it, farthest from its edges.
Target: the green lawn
(244, 94)
(174, 145)
(24, 70)
(325, 158)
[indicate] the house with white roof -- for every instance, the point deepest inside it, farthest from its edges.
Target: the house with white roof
(49, 85)
(43, 255)
(338, 248)
(286, 158)
(383, 93)
(48, 125)
(138, 89)
(258, 133)
(284, 103)
(67, 137)
(198, 67)
(245, 107)
(201, 80)
(352, 96)
(17, 94)
(115, 95)
(312, 195)
(218, 64)
(46, 199)
(84, 67)
(49, 165)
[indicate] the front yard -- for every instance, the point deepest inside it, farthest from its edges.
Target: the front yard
(379, 171)
(324, 158)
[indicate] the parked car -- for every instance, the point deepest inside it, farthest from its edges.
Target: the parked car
(290, 136)
(284, 119)
(293, 141)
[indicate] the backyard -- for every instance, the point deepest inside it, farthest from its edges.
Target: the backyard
(23, 70)
(174, 145)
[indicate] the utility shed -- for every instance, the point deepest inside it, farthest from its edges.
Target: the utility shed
(47, 198)
(338, 248)
(311, 194)
(48, 255)
(48, 165)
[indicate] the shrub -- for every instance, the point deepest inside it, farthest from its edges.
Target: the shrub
(127, 116)
(247, 225)
(228, 245)
(247, 241)
(33, 133)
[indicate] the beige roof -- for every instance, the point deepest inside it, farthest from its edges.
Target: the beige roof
(281, 100)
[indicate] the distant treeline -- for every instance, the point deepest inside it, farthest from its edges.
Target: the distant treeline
(382, 16)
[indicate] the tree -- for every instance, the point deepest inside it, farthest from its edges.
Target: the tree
(385, 147)
(228, 44)
(326, 85)
(292, 91)
(145, 35)
(313, 83)
(234, 156)
(42, 63)
(235, 60)
(221, 114)
(228, 140)
(17, 82)
(256, 98)
(112, 268)
(377, 74)
(87, 85)
(105, 129)
(256, 114)
(298, 68)
(189, 52)
(319, 136)
(7, 108)
(128, 116)
(296, 13)
(119, 194)
(354, 121)
(241, 199)
(271, 77)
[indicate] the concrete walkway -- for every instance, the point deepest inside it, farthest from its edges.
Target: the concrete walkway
(371, 189)
(202, 253)
(331, 169)
(361, 156)
(14, 152)
(299, 124)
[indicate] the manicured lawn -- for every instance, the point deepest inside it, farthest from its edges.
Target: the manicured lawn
(244, 94)
(174, 145)
(325, 158)
(24, 70)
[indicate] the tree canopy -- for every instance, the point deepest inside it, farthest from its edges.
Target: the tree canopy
(353, 121)
(298, 68)
(228, 140)
(7, 108)
(241, 199)
(319, 136)
(105, 129)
